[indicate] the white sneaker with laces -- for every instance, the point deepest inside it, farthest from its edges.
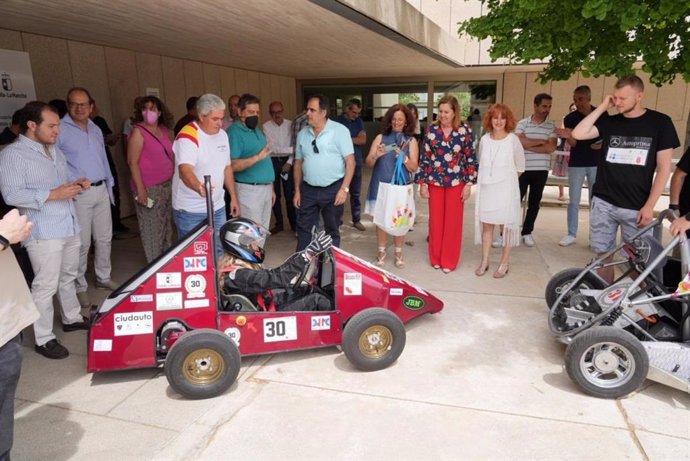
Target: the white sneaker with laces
(567, 240)
(529, 240)
(498, 242)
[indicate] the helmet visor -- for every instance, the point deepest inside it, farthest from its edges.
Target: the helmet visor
(253, 237)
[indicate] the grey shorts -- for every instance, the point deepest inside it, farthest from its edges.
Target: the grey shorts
(604, 220)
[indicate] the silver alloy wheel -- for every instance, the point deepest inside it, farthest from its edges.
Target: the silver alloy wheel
(607, 365)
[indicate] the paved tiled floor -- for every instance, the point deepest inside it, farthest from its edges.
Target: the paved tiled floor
(482, 380)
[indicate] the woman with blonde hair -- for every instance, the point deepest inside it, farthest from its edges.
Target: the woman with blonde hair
(447, 170)
(502, 160)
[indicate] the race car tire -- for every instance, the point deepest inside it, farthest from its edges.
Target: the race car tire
(373, 339)
(202, 364)
(606, 362)
(562, 280)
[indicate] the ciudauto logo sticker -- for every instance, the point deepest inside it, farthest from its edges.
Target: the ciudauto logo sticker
(413, 302)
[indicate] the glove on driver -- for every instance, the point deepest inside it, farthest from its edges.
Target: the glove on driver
(321, 242)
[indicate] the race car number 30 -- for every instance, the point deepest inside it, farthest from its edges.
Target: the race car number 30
(280, 329)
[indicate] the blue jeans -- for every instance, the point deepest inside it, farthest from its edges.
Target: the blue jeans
(186, 222)
(284, 187)
(576, 177)
(355, 192)
(315, 201)
(10, 368)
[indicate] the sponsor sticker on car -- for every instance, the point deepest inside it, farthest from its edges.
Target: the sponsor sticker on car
(133, 323)
(169, 301)
(320, 322)
(195, 264)
(168, 280)
(352, 284)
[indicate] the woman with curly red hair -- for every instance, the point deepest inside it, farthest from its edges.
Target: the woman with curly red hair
(502, 160)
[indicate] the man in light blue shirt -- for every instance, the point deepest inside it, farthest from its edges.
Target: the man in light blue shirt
(324, 166)
(35, 178)
(82, 143)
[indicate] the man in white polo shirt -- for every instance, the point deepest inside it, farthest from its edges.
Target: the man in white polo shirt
(538, 137)
(202, 148)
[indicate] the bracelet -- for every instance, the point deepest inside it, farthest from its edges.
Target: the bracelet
(673, 206)
(4, 242)
(346, 189)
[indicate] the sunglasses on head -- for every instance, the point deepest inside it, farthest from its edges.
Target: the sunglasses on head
(314, 146)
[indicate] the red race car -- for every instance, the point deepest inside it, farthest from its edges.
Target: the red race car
(173, 313)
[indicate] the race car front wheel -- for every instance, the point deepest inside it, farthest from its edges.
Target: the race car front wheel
(373, 339)
(606, 362)
(202, 364)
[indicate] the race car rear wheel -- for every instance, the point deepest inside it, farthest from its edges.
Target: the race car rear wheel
(562, 281)
(202, 364)
(373, 339)
(606, 362)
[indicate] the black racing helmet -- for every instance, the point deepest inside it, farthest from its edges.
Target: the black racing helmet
(244, 239)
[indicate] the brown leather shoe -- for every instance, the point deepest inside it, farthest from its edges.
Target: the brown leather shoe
(359, 226)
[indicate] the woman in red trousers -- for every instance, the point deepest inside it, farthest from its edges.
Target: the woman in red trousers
(448, 168)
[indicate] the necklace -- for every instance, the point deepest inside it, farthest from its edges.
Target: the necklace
(494, 149)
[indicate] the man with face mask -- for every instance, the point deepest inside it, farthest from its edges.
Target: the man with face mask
(251, 163)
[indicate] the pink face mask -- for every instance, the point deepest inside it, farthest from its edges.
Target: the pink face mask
(150, 116)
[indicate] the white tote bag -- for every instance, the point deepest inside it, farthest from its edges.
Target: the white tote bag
(395, 210)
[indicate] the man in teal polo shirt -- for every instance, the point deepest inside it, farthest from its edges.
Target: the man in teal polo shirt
(324, 166)
(250, 162)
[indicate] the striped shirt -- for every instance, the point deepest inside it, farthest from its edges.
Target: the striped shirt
(27, 176)
(536, 161)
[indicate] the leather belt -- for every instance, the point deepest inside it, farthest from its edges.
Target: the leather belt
(98, 183)
(254, 183)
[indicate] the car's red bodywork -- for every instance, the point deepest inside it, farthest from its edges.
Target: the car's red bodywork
(138, 323)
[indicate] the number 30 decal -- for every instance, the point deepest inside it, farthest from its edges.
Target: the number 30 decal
(280, 329)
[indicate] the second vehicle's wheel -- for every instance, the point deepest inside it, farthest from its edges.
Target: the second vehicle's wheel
(373, 339)
(562, 281)
(606, 362)
(202, 364)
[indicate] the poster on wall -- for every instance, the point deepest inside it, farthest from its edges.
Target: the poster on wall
(16, 84)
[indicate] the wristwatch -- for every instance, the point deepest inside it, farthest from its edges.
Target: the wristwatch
(4, 242)
(673, 206)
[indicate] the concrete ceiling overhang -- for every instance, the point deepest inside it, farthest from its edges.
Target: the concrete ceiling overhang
(305, 39)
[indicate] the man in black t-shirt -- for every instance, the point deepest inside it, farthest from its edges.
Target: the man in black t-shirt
(584, 156)
(636, 144)
(680, 185)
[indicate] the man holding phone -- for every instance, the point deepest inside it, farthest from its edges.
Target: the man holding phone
(34, 177)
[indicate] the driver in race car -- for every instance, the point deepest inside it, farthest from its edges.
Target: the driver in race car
(242, 272)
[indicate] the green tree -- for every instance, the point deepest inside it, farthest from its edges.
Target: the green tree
(406, 98)
(598, 37)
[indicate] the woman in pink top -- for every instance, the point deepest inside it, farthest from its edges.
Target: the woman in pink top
(151, 162)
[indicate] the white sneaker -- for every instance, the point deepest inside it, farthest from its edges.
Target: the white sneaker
(567, 240)
(529, 240)
(498, 242)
